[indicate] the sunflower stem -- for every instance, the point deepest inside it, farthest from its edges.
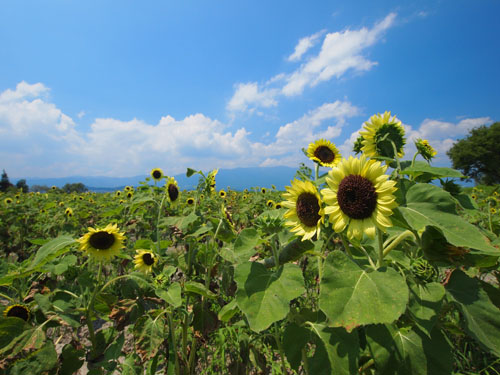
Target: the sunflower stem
(316, 172)
(380, 237)
(158, 223)
(174, 343)
(396, 157)
(489, 217)
(346, 245)
(88, 312)
(413, 160)
(398, 240)
(275, 252)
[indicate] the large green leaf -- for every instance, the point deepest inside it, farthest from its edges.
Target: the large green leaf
(295, 339)
(341, 347)
(37, 363)
(172, 296)
(50, 250)
(263, 295)
(244, 246)
(149, 335)
(406, 351)
(351, 296)
(482, 317)
(425, 304)
(427, 173)
(430, 205)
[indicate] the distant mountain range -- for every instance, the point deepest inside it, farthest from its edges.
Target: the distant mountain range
(236, 179)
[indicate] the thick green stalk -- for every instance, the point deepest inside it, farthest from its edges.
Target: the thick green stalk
(88, 312)
(380, 237)
(346, 245)
(158, 223)
(397, 240)
(316, 171)
(171, 328)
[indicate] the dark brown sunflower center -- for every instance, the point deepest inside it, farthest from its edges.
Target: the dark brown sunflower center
(19, 312)
(156, 175)
(190, 201)
(308, 209)
(148, 259)
(102, 240)
(325, 154)
(357, 197)
(173, 192)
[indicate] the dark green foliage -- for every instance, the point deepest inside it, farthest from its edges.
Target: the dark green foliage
(21, 184)
(74, 188)
(4, 182)
(478, 155)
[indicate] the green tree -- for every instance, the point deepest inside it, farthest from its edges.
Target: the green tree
(478, 155)
(74, 188)
(4, 182)
(21, 184)
(40, 188)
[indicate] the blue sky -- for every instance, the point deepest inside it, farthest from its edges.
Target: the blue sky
(116, 88)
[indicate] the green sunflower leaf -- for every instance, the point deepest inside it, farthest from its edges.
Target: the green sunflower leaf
(429, 205)
(482, 317)
(264, 296)
(351, 296)
(172, 296)
(425, 304)
(426, 173)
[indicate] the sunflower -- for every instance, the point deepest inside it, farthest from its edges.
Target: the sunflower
(222, 194)
(102, 243)
(190, 201)
(304, 209)
(263, 190)
(68, 212)
(8, 200)
(245, 197)
(278, 206)
(157, 174)
(358, 145)
(474, 196)
(380, 134)
(53, 187)
(270, 203)
(324, 153)
(128, 188)
(18, 311)
(130, 194)
(425, 149)
(61, 204)
(359, 196)
(145, 260)
(493, 210)
(172, 189)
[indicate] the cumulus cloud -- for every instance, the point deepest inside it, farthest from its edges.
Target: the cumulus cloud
(340, 52)
(304, 45)
(249, 96)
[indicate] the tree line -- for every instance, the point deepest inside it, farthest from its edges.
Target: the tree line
(6, 185)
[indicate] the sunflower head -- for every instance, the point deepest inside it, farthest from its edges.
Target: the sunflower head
(270, 203)
(157, 174)
(359, 196)
(222, 194)
(358, 145)
(190, 201)
(382, 134)
(324, 153)
(61, 204)
(130, 194)
(425, 149)
(128, 188)
(305, 213)
(263, 190)
(493, 210)
(68, 212)
(8, 201)
(278, 206)
(172, 190)
(145, 260)
(18, 311)
(102, 243)
(53, 187)
(118, 193)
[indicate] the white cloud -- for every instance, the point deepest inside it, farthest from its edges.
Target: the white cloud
(340, 52)
(249, 94)
(304, 45)
(23, 90)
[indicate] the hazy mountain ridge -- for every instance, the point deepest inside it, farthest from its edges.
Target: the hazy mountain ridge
(237, 179)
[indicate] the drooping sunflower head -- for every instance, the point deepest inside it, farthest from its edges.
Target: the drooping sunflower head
(68, 212)
(270, 203)
(102, 243)
(222, 194)
(18, 311)
(190, 201)
(359, 196)
(61, 204)
(324, 153)
(305, 213)
(382, 134)
(157, 174)
(172, 189)
(145, 260)
(425, 149)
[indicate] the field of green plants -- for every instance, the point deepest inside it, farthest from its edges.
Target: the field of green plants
(371, 265)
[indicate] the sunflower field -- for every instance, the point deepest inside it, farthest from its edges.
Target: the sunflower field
(371, 265)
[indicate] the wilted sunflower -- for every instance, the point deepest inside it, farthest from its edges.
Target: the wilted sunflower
(157, 174)
(270, 203)
(380, 132)
(145, 260)
(304, 209)
(324, 153)
(7, 200)
(68, 212)
(102, 243)
(172, 189)
(190, 201)
(425, 149)
(359, 196)
(222, 194)
(18, 311)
